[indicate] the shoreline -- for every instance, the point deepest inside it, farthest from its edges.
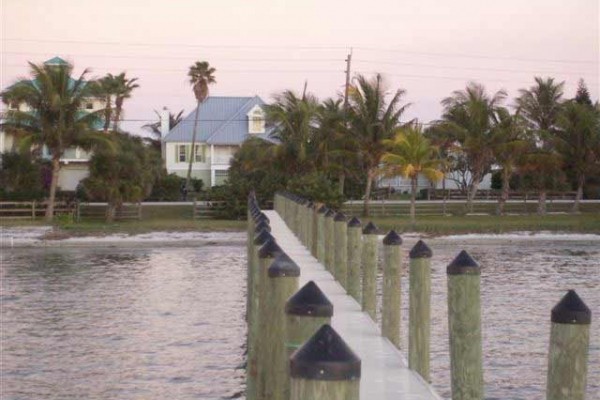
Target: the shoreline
(49, 237)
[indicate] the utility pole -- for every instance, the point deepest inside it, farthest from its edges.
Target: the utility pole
(348, 63)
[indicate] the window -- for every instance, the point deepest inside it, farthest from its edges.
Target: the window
(221, 176)
(256, 120)
(200, 153)
(89, 106)
(13, 105)
(181, 152)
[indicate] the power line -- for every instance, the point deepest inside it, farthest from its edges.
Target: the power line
(304, 47)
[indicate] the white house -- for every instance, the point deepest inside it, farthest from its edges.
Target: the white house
(74, 161)
(223, 125)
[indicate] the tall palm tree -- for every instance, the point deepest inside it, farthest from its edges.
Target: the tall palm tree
(293, 119)
(372, 119)
(335, 150)
(412, 155)
(469, 117)
(123, 88)
(541, 106)
(56, 120)
(201, 75)
(578, 130)
(106, 88)
(509, 147)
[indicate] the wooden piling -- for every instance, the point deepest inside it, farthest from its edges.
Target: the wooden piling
(315, 220)
(267, 253)
(464, 323)
(419, 326)
(325, 368)
(354, 256)
(308, 225)
(321, 234)
(306, 311)
(340, 249)
(369, 271)
(329, 240)
(569, 345)
(392, 272)
(282, 283)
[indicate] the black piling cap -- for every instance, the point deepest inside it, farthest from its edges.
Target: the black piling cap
(420, 250)
(370, 229)
(269, 250)
(325, 357)
(330, 213)
(571, 310)
(262, 238)
(354, 222)
(340, 217)
(283, 266)
(262, 226)
(309, 301)
(322, 210)
(392, 239)
(463, 264)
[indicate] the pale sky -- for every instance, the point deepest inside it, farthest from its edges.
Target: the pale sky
(427, 47)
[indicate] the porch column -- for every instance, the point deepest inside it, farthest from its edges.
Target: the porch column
(212, 165)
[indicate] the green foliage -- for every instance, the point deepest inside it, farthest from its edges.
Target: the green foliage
(496, 180)
(123, 174)
(167, 188)
(20, 177)
(318, 187)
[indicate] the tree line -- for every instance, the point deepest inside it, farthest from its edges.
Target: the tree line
(545, 140)
(327, 150)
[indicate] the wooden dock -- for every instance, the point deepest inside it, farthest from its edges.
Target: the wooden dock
(385, 373)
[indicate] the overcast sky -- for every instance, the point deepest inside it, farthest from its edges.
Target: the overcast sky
(427, 47)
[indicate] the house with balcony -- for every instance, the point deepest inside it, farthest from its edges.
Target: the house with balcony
(75, 160)
(224, 123)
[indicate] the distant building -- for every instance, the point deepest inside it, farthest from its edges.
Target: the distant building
(75, 161)
(223, 125)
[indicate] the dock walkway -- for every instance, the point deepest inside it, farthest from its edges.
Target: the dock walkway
(385, 373)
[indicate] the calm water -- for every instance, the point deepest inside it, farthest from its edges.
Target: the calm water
(123, 324)
(169, 322)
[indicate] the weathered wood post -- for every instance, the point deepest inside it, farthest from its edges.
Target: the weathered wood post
(419, 326)
(281, 284)
(369, 271)
(308, 221)
(569, 344)
(253, 315)
(329, 240)
(340, 270)
(321, 234)
(464, 323)
(392, 273)
(354, 256)
(306, 312)
(314, 225)
(267, 253)
(325, 368)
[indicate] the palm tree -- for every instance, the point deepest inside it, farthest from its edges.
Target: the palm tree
(154, 127)
(201, 75)
(56, 120)
(541, 106)
(469, 117)
(123, 88)
(578, 129)
(509, 146)
(412, 155)
(372, 119)
(106, 88)
(335, 150)
(293, 119)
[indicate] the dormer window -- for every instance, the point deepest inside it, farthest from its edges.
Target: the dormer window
(256, 120)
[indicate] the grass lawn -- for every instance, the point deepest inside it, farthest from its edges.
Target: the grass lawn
(179, 218)
(440, 225)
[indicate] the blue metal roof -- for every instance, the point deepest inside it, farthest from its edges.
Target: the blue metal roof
(56, 61)
(221, 120)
